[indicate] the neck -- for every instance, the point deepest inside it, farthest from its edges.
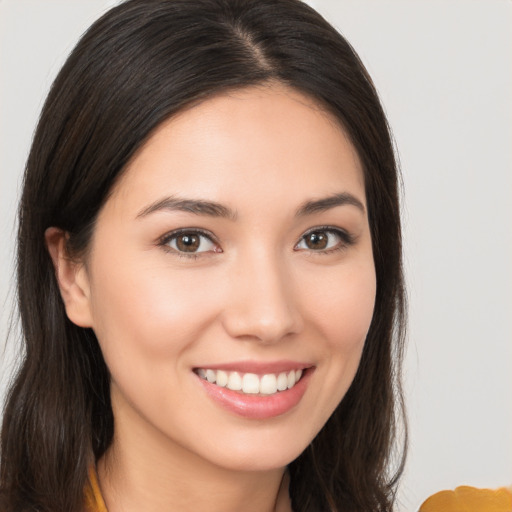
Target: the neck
(144, 471)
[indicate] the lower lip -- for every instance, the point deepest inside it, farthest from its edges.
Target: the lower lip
(258, 407)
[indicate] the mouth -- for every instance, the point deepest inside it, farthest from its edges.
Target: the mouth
(252, 383)
(256, 391)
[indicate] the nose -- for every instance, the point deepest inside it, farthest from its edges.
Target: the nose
(262, 304)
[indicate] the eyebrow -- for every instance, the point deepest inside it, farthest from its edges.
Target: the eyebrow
(195, 206)
(214, 209)
(326, 203)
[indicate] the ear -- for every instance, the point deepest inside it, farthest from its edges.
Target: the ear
(71, 277)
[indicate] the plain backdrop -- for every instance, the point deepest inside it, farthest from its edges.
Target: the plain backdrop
(443, 69)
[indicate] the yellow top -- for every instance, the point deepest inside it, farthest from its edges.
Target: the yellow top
(93, 499)
(462, 499)
(470, 499)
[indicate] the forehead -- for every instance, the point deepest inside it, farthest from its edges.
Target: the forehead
(258, 142)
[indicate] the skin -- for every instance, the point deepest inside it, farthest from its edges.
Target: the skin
(257, 293)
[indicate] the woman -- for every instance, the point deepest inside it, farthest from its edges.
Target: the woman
(209, 271)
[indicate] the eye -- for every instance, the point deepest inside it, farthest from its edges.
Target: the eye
(190, 242)
(324, 240)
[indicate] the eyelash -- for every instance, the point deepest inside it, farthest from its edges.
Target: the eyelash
(167, 238)
(346, 240)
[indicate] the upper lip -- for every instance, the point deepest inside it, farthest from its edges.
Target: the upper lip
(258, 367)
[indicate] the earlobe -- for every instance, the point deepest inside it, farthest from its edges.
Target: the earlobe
(71, 277)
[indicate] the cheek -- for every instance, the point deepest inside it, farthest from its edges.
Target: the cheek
(148, 312)
(343, 310)
(342, 306)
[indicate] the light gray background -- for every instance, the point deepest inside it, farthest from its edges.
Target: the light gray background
(444, 72)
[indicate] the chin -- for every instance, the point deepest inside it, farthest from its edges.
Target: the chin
(256, 455)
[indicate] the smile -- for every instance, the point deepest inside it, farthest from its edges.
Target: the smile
(251, 383)
(257, 391)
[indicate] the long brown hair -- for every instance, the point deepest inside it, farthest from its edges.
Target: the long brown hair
(139, 64)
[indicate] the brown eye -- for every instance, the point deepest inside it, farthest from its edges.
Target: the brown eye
(323, 240)
(191, 242)
(187, 243)
(316, 240)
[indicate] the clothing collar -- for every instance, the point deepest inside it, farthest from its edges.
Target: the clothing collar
(93, 498)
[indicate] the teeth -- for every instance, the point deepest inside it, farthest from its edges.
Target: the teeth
(234, 381)
(222, 378)
(282, 382)
(250, 383)
(291, 379)
(268, 384)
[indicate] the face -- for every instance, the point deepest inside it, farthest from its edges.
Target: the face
(233, 253)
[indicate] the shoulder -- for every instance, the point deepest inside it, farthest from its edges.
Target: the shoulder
(470, 499)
